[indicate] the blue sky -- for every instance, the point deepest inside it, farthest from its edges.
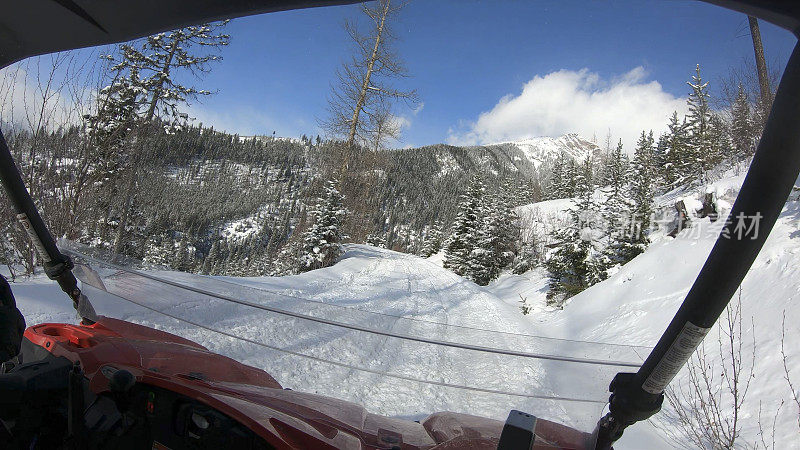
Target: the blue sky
(467, 55)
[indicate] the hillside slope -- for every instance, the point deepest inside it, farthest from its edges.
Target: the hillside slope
(636, 303)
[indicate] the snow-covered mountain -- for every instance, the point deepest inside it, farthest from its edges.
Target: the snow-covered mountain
(540, 149)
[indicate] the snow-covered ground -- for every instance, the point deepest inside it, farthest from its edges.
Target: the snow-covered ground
(407, 295)
(636, 303)
(378, 289)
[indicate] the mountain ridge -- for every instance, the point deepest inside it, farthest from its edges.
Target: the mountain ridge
(540, 149)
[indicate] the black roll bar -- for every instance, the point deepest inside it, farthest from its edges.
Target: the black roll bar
(57, 266)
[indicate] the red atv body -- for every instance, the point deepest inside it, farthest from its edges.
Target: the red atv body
(185, 396)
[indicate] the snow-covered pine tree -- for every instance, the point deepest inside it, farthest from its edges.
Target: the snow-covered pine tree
(641, 198)
(433, 240)
(617, 207)
(117, 109)
(510, 231)
(154, 64)
(160, 55)
(158, 250)
(377, 239)
(288, 260)
(262, 261)
(528, 191)
(742, 126)
(221, 265)
(212, 259)
(615, 170)
(676, 166)
(497, 239)
(482, 265)
(579, 260)
(721, 146)
(464, 232)
(322, 243)
(233, 259)
(571, 175)
(699, 124)
(557, 180)
(528, 257)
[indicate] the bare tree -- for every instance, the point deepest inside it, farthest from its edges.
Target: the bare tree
(786, 372)
(707, 408)
(360, 111)
(39, 97)
(359, 106)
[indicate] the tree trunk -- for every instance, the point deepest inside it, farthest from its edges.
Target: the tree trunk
(126, 208)
(151, 110)
(761, 64)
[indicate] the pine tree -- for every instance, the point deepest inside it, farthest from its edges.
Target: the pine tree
(212, 259)
(182, 258)
(152, 65)
(433, 240)
(464, 232)
(615, 171)
(509, 227)
(527, 258)
(322, 242)
(571, 181)
(742, 126)
(721, 145)
(233, 263)
(483, 264)
(699, 123)
(617, 207)
(497, 239)
(376, 240)
(158, 250)
(557, 181)
(159, 56)
(118, 107)
(677, 164)
(641, 197)
(579, 260)
(288, 260)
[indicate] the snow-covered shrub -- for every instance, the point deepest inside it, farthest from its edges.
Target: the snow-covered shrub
(322, 242)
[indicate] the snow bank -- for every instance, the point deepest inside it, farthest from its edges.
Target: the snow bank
(636, 303)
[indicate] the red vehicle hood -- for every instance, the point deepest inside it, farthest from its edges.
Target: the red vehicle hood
(284, 418)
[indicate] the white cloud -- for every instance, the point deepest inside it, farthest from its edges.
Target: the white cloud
(28, 101)
(404, 121)
(401, 122)
(575, 102)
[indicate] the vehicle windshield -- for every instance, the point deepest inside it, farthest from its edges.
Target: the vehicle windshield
(425, 206)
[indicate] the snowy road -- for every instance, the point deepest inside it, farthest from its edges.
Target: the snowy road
(375, 288)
